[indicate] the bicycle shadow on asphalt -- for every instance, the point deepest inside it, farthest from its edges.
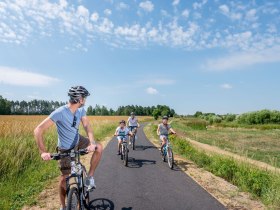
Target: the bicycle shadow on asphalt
(141, 147)
(101, 203)
(138, 163)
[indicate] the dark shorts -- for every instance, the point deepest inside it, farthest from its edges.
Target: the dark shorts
(65, 163)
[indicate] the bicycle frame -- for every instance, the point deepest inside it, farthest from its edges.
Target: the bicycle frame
(77, 173)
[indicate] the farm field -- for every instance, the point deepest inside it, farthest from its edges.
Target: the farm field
(23, 173)
(257, 144)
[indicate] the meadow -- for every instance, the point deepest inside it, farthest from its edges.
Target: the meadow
(257, 143)
(22, 172)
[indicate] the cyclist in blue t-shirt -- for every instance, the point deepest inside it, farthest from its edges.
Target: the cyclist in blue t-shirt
(67, 119)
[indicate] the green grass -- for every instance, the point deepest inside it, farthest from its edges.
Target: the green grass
(262, 184)
(23, 175)
(262, 145)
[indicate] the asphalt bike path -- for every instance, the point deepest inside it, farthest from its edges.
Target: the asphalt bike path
(147, 183)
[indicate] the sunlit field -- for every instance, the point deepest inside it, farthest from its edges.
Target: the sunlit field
(22, 172)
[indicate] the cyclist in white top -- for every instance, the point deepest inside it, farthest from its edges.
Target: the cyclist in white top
(122, 132)
(132, 123)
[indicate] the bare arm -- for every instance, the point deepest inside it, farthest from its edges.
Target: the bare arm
(172, 131)
(86, 124)
(88, 129)
(158, 130)
(38, 134)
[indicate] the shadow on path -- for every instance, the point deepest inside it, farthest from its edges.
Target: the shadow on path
(101, 204)
(138, 163)
(141, 147)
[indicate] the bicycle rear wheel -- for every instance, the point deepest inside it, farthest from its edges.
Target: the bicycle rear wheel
(170, 158)
(73, 200)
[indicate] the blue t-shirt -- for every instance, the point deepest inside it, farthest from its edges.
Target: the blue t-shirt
(67, 125)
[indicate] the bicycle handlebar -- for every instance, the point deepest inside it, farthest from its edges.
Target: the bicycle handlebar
(58, 156)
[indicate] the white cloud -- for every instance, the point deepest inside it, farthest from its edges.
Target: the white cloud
(13, 76)
(147, 6)
(199, 5)
(94, 17)
(232, 15)
(122, 6)
(240, 60)
(224, 8)
(152, 91)
(175, 2)
(186, 13)
(107, 12)
(226, 86)
(251, 15)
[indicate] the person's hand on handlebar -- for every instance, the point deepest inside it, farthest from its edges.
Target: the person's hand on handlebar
(46, 156)
(91, 148)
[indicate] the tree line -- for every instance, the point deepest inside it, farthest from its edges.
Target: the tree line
(155, 111)
(44, 107)
(33, 107)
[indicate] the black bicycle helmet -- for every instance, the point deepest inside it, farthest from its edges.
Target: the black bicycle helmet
(122, 121)
(76, 92)
(165, 118)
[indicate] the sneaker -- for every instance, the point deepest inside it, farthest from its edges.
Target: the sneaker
(61, 208)
(129, 143)
(90, 183)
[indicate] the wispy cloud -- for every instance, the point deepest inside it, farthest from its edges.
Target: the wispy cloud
(22, 21)
(12, 76)
(175, 2)
(226, 86)
(147, 6)
(152, 91)
(241, 60)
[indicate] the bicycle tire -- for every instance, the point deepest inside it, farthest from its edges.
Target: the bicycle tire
(170, 158)
(85, 192)
(125, 158)
(121, 152)
(73, 199)
(133, 143)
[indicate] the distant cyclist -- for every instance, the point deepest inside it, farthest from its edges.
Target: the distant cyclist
(67, 119)
(132, 123)
(122, 133)
(163, 130)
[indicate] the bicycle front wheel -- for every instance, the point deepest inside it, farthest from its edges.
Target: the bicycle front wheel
(125, 158)
(170, 158)
(73, 201)
(133, 142)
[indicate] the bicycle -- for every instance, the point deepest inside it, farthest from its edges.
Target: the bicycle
(133, 129)
(124, 150)
(76, 192)
(168, 153)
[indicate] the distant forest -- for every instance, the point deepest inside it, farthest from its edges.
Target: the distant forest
(43, 107)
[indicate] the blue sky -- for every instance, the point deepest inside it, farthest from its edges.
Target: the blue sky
(213, 56)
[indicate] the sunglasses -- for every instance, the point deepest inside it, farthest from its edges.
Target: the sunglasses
(74, 121)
